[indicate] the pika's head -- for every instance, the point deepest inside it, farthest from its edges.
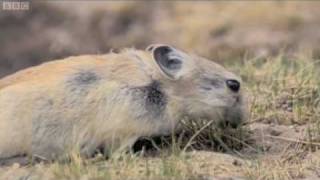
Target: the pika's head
(201, 87)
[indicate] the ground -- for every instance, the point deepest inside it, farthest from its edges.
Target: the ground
(273, 46)
(279, 156)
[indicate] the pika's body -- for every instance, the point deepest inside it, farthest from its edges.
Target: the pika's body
(110, 100)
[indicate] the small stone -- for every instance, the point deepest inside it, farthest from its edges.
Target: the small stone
(274, 132)
(16, 165)
(236, 162)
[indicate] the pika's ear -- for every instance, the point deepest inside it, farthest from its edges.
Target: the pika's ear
(151, 47)
(170, 60)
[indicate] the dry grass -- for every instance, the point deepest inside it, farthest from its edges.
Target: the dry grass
(282, 90)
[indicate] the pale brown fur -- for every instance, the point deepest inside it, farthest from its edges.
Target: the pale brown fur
(83, 102)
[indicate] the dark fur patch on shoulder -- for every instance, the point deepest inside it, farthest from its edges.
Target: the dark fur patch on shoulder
(154, 98)
(81, 80)
(85, 77)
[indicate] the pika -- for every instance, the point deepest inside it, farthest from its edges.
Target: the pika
(110, 100)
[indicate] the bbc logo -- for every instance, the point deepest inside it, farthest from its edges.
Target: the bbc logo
(15, 5)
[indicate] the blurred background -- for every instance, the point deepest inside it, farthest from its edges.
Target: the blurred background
(222, 31)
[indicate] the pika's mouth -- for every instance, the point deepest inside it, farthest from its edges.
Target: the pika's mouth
(237, 101)
(234, 115)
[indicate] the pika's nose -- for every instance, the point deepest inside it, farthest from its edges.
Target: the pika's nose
(234, 85)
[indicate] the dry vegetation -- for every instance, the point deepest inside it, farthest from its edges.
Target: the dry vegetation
(274, 46)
